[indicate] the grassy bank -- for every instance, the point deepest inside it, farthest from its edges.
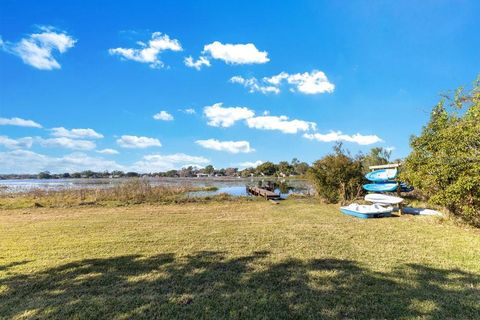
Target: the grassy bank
(134, 191)
(237, 259)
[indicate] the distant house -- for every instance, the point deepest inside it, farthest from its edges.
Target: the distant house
(202, 175)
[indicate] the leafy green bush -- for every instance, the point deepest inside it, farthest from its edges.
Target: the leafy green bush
(337, 177)
(445, 161)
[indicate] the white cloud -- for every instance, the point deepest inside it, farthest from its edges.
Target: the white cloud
(37, 49)
(19, 122)
(253, 85)
(202, 61)
(157, 162)
(314, 82)
(236, 53)
(149, 53)
(164, 116)
(219, 116)
(250, 164)
(228, 146)
(75, 133)
(339, 136)
(280, 123)
(127, 141)
(24, 161)
(68, 143)
(9, 143)
(390, 149)
(108, 151)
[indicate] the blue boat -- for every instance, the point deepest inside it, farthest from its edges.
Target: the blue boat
(382, 175)
(367, 211)
(380, 187)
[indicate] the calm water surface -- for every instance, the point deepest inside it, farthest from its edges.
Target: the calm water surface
(232, 186)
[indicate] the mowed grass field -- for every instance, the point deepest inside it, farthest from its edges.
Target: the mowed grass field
(234, 259)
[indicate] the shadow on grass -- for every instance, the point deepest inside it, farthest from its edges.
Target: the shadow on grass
(212, 285)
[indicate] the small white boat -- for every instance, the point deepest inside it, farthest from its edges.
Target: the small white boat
(367, 211)
(382, 199)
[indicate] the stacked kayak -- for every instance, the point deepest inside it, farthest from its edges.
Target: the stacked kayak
(367, 211)
(384, 181)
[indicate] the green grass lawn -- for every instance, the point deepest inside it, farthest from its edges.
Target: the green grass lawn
(236, 259)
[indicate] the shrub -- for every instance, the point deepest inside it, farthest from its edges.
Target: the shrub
(337, 177)
(445, 160)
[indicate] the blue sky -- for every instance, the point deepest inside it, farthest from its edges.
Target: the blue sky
(84, 84)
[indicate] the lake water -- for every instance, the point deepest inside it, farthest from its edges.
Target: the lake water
(231, 186)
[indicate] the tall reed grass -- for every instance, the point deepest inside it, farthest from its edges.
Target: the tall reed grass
(134, 191)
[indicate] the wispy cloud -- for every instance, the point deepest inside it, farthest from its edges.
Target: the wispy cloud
(37, 49)
(228, 146)
(132, 142)
(68, 143)
(188, 111)
(164, 116)
(250, 164)
(149, 53)
(9, 143)
(19, 122)
(75, 133)
(339, 136)
(25, 161)
(253, 85)
(314, 82)
(108, 151)
(201, 61)
(280, 123)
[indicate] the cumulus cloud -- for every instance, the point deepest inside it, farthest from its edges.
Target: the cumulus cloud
(314, 82)
(25, 142)
(228, 146)
(150, 53)
(250, 164)
(19, 122)
(164, 116)
(158, 162)
(127, 141)
(219, 116)
(108, 151)
(75, 133)
(24, 161)
(202, 61)
(281, 123)
(339, 136)
(236, 53)
(68, 143)
(37, 49)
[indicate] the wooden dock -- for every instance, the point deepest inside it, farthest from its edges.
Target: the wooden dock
(260, 192)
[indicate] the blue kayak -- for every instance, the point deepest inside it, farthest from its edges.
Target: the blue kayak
(382, 175)
(387, 187)
(380, 187)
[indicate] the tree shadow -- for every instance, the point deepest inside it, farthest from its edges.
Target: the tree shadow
(214, 285)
